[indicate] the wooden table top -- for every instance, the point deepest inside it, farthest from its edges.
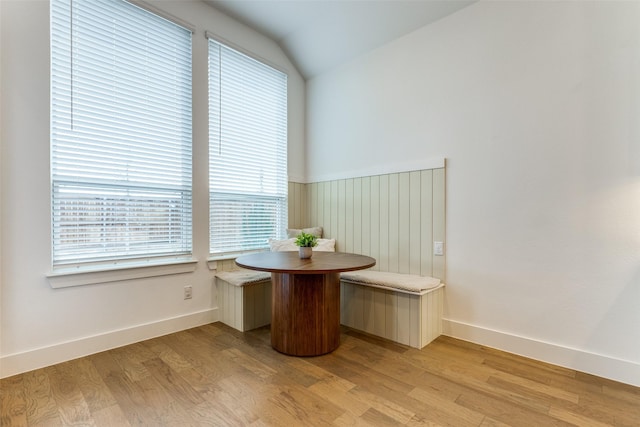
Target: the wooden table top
(319, 263)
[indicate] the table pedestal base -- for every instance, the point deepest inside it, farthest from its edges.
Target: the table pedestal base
(305, 316)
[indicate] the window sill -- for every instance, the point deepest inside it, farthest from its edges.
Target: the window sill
(79, 276)
(212, 261)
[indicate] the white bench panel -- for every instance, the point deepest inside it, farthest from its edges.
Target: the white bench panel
(404, 318)
(391, 316)
(415, 322)
(409, 319)
(244, 307)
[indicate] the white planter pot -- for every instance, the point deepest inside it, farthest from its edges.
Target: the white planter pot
(305, 252)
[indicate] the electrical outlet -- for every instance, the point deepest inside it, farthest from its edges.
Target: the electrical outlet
(188, 292)
(438, 248)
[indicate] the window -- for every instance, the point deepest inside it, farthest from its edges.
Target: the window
(247, 151)
(120, 133)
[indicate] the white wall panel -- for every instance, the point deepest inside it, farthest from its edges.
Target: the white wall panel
(358, 217)
(391, 218)
(415, 237)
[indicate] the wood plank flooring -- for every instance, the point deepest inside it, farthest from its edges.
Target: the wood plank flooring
(216, 376)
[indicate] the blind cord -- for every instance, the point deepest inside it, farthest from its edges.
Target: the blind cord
(71, 66)
(220, 100)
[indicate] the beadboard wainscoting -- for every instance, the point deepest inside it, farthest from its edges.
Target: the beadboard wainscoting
(298, 205)
(394, 218)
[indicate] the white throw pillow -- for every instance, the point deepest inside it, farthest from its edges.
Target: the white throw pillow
(282, 245)
(293, 232)
(326, 245)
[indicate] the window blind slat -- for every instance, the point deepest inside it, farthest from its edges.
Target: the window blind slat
(121, 133)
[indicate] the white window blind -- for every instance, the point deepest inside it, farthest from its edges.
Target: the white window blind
(247, 151)
(120, 133)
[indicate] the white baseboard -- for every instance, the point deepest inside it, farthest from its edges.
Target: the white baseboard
(624, 371)
(17, 363)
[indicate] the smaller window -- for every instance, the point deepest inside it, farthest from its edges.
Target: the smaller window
(247, 151)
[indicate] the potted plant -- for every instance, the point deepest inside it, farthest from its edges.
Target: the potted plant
(306, 242)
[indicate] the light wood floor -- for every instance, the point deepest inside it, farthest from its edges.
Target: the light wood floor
(213, 375)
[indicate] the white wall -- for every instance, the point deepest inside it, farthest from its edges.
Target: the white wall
(41, 325)
(536, 107)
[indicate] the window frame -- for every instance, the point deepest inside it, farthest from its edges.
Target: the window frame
(153, 264)
(283, 184)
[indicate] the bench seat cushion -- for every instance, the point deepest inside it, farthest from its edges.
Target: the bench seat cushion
(394, 281)
(243, 277)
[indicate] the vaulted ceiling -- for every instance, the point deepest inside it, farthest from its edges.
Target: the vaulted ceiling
(318, 35)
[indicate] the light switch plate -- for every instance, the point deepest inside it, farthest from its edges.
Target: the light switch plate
(438, 248)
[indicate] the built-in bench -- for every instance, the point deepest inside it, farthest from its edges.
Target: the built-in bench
(404, 308)
(244, 298)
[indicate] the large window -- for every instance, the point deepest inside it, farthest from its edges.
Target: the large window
(120, 133)
(247, 151)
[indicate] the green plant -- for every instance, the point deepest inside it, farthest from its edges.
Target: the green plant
(306, 240)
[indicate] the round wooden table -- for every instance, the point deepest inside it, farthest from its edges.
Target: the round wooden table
(305, 300)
